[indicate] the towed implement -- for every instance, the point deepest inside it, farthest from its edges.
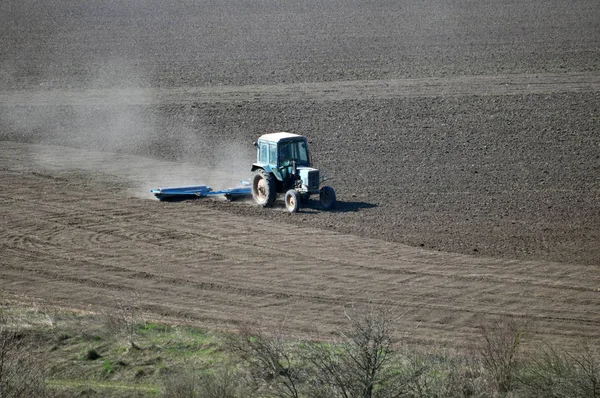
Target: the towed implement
(282, 166)
(199, 191)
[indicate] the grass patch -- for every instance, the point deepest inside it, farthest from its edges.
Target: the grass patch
(83, 354)
(70, 353)
(99, 388)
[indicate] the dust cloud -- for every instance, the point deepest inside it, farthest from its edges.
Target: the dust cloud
(115, 125)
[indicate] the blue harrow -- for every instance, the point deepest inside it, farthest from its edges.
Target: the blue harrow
(201, 191)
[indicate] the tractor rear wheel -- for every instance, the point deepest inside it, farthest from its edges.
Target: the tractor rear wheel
(292, 201)
(327, 197)
(264, 190)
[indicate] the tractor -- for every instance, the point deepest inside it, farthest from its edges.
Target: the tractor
(283, 167)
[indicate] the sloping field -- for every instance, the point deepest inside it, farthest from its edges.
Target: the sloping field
(462, 139)
(75, 239)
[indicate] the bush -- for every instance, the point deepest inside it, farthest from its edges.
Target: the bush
(274, 363)
(499, 351)
(223, 382)
(560, 373)
(447, 376)
(356, 365)
(361, 363)
(21, 374)
(124, 318)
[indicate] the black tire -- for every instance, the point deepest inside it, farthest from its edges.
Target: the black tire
(264, 190)
(292, 201)
(327, 198)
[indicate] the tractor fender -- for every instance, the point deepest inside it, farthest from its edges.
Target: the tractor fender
(268, 169)
(265, 167)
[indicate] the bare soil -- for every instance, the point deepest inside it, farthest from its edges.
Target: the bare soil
(462, 140)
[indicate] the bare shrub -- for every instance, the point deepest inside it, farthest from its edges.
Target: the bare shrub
(49, 314)
(21, 374)
(226, 382)
(556, 372)
(182, 385)
(362, 363)
(448, 376)
(274, 362)
(223, 382)
(499, 351)
(124, 317)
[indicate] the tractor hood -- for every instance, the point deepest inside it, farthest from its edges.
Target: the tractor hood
(309, 178)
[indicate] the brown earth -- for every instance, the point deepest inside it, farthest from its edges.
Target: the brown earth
(77, 239)
(462, 140)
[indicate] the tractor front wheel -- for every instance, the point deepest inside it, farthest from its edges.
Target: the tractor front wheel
(264, 190)
(292, 201)
(327, 198)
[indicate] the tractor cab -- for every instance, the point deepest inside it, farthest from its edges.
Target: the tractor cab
(283, 166)
(279, 152)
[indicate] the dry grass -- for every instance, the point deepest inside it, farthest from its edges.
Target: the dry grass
(275, 362)
(21, 372)
(554, 372)
(363, 361)
(225, 381)
(499, 351)
(123, 318)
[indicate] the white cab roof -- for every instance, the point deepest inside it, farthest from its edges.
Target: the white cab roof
(276, 137)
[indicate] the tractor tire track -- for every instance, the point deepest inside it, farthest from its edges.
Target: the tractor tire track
(95, 246)
(387, 263)
(514, 84)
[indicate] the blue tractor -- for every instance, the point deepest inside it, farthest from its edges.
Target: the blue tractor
(283, 167)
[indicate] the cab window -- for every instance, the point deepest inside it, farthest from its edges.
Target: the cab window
(273, 154)
(293, 150)
(302, 152)
(262, 153)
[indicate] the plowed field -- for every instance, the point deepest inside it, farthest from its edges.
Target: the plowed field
(462, 140)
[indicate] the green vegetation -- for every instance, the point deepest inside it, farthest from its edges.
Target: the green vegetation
(46, 352)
